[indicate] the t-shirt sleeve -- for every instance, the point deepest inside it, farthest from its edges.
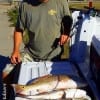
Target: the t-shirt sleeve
(21, 18)
(65, 8)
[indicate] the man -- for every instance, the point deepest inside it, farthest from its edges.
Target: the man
(48, 23)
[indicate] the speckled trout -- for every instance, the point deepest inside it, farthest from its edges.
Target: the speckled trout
(48, 83)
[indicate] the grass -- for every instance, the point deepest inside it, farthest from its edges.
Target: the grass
(13, 13)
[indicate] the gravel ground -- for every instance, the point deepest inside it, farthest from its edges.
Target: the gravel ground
(6, 32)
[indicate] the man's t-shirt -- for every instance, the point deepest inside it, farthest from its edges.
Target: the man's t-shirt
(43, 22)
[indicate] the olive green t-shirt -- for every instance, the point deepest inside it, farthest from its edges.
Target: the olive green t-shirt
(43, 22)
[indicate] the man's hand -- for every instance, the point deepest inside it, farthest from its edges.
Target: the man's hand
(15, 58)
(63, 39)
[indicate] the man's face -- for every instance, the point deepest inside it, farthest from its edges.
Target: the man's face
(44, 1)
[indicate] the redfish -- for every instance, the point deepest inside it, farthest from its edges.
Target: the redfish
(67, 94)
(54, 95)
(48, 83)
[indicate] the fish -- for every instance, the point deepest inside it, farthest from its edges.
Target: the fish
(67, 94)
(48, 83)
(54, 95)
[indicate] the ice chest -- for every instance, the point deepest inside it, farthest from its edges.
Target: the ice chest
(31, 70)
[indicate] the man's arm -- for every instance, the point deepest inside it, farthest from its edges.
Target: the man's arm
(65, 29)
(66, 23)
(65, 36)
(15, 57)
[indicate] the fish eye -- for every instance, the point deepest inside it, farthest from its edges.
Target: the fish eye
(23, 87)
